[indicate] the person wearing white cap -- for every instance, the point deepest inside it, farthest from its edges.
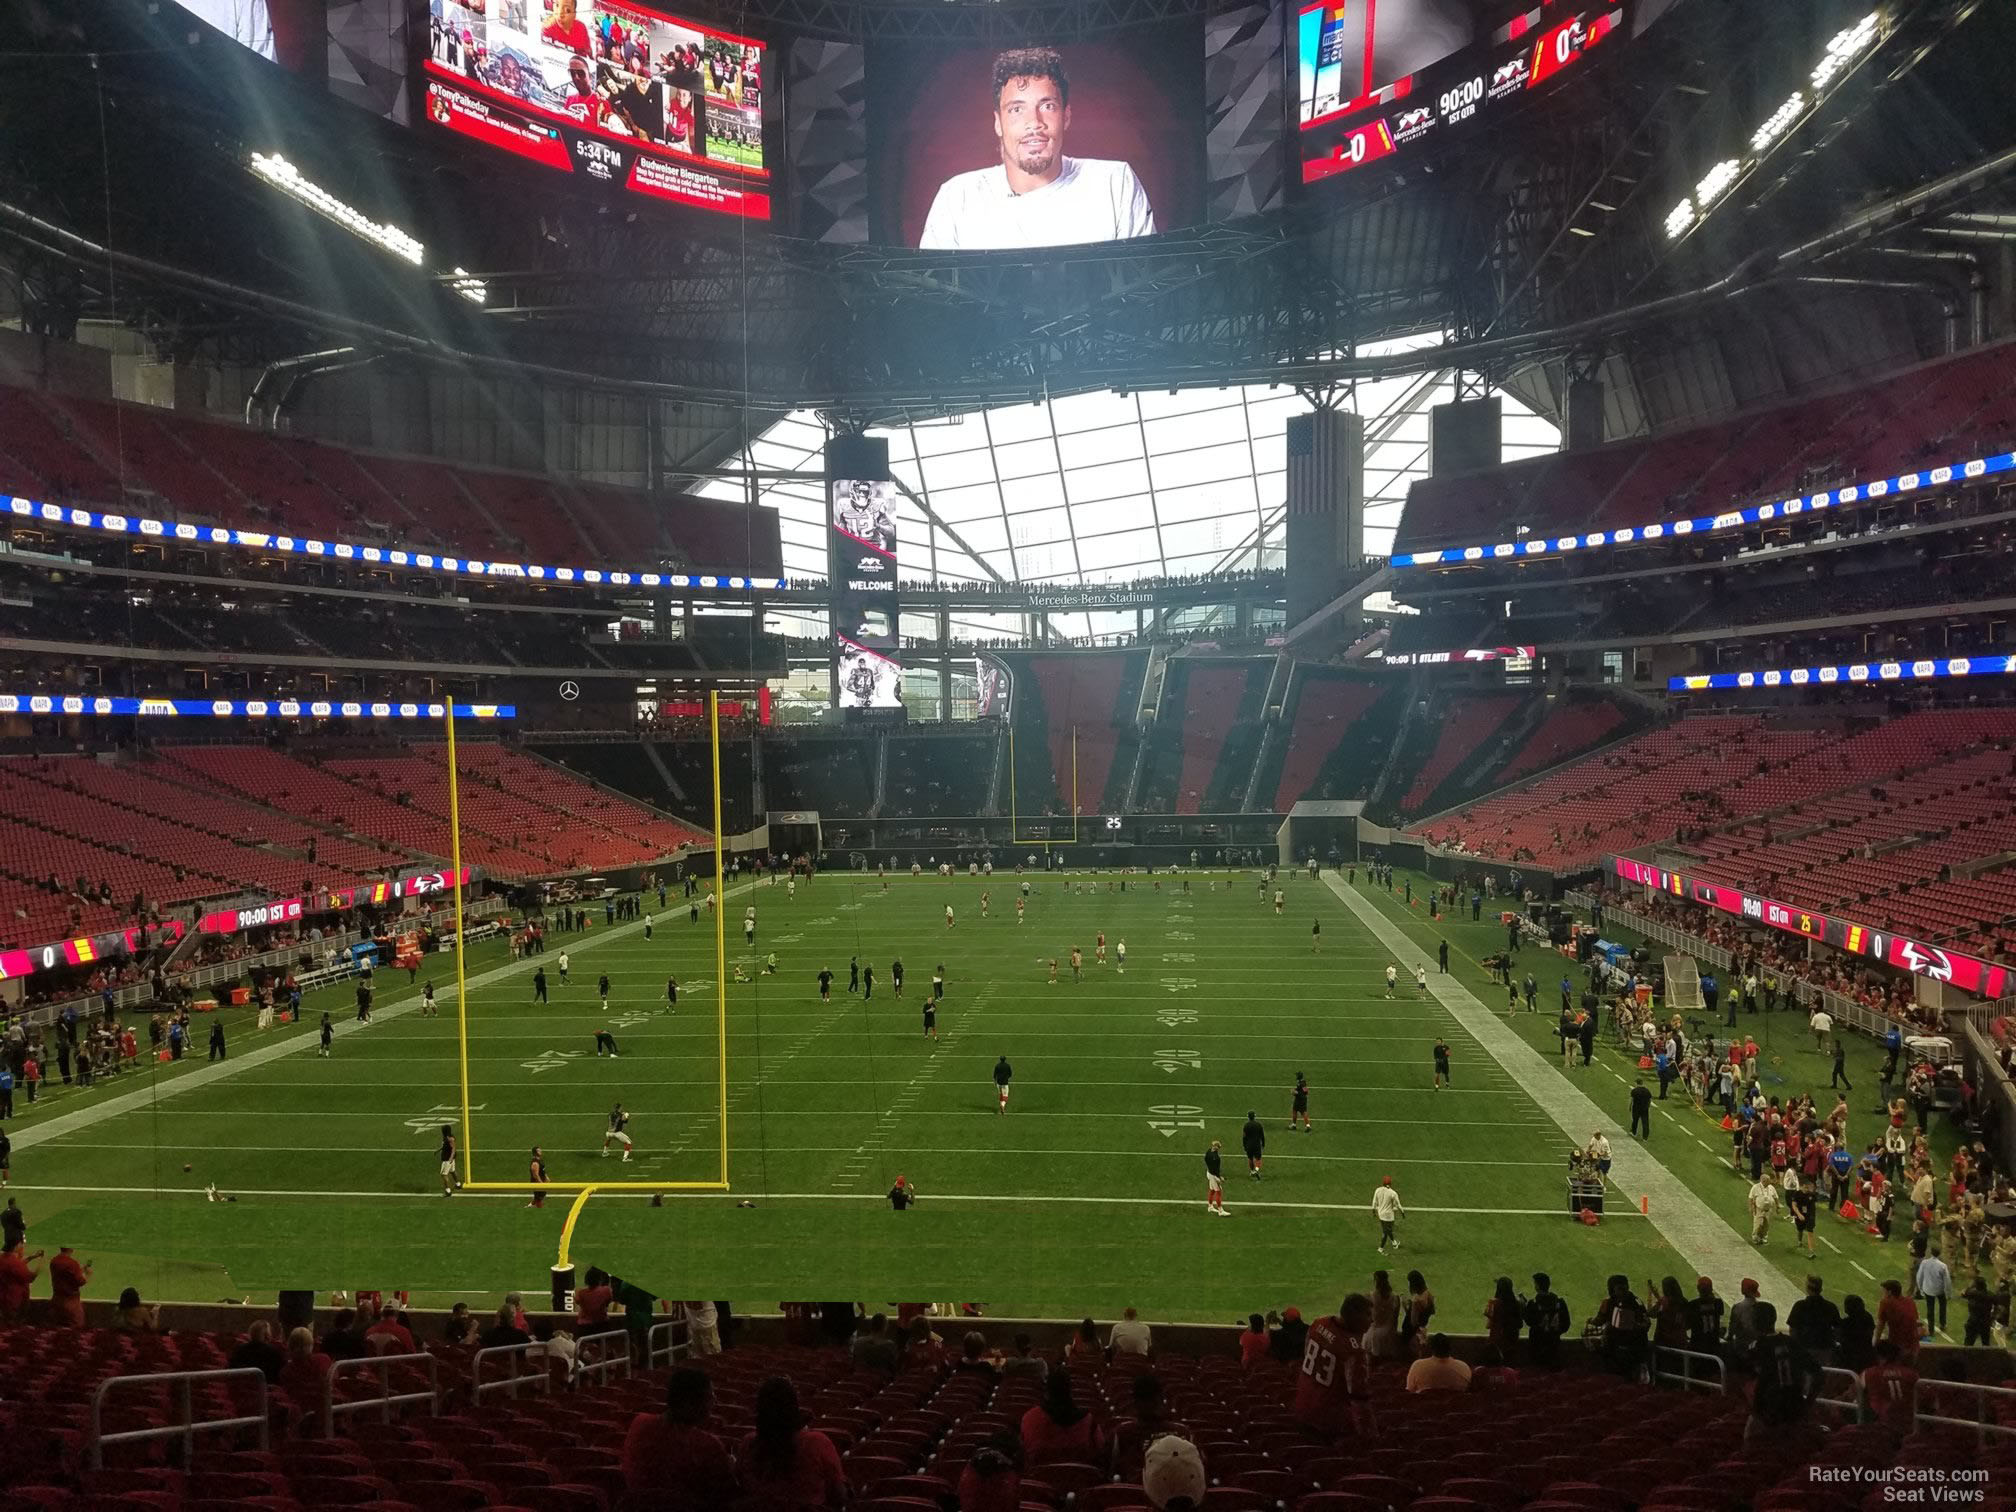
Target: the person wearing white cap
(1172, 1473)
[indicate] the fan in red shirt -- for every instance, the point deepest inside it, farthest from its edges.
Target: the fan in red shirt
(1253, 1342)
(1058, 1429)
(16, 1276)
(67, 1275)
(670, 1458)
(566, 29)
(305, 1371)
(1330, 1395)
(591, 1302)
(1891, 1388)
(783, 1460)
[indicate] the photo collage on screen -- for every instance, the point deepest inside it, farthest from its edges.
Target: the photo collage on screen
(615, 94)
(866, 649)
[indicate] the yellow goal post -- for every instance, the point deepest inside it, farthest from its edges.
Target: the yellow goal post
(468, 1139)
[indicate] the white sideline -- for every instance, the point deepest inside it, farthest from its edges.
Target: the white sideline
(1687, 1223)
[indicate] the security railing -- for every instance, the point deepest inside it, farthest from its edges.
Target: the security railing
(186, 1425)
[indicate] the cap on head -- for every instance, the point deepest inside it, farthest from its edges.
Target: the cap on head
(1749, 1287)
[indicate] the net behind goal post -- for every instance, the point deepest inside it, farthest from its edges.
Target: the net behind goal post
(1683, 984)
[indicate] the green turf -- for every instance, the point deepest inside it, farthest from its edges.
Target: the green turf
(1087, 1196)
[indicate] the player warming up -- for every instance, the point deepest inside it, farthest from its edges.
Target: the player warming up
(1214, 1181)
(605, 1044)
(619, 1129)
(1003, 1075)
(1253, 1138)
(1120, 956)
(602, 986)
(1441, 1064)
(948, 915)
(1392, 978)
(450, 1177)
(1099, 949)
(1298, 1110)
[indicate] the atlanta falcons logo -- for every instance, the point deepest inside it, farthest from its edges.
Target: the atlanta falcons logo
(1925, 960)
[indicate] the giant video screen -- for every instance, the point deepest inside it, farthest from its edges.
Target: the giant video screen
(1380, 79)
(985, 149)
(620, 96)
(287, 32)
(862, 552)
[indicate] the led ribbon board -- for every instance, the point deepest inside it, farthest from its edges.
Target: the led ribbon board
(84, 950)
(1871, 492)
(249, 708)
(402, 557)
(1922, 669)
(1968, 973)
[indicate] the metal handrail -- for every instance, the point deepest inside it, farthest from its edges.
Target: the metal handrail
(517, 1354)
(387, 1398)
(1983, 1422)
(1852, 1403)
(96, 1438)
(611, 1350)
(667, 1353)
(1685, 1378)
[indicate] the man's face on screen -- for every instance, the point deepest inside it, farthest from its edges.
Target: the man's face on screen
(1030, 118)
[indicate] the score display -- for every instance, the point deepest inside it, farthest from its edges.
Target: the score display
(1353, 110)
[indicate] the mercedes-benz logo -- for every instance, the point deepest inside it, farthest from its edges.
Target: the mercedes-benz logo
(570, 690)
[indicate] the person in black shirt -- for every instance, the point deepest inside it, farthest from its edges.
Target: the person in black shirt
(505, 1330)
(1214, 1181)
(603, 986)
(1298, 1109)
(1704, 1319)
(902, 1194)
(1253, 1139)
(1786, 1379)
(451, 1178)
(1442, 955)
(1641, 1111)
(1804, 1204)
(344, 1341)
(853, 973)
(328, 1035)
(259, 1352)
(825, 985)
(1003, 1074)
(1546, 1321)
(1625, 1328)
(896, 976)
(363, 1003)
(539, 985)
(867, 983)
(1980, 1305)
(931, 1018)
(1814, 1322)
(671, 994)
(1441, 1063)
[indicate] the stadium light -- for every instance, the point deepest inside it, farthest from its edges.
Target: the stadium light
(1842, 49)
(1715, 183)
(288, 179)
(470, 288)
(1779, 122)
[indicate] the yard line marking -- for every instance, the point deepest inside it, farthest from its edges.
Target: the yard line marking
(379, 1084)
(877, 1197)
(1475, 1123)
(408, 1149)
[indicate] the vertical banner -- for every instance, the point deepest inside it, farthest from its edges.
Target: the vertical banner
(865, 643)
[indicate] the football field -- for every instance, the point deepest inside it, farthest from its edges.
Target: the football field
(1088, 1195)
